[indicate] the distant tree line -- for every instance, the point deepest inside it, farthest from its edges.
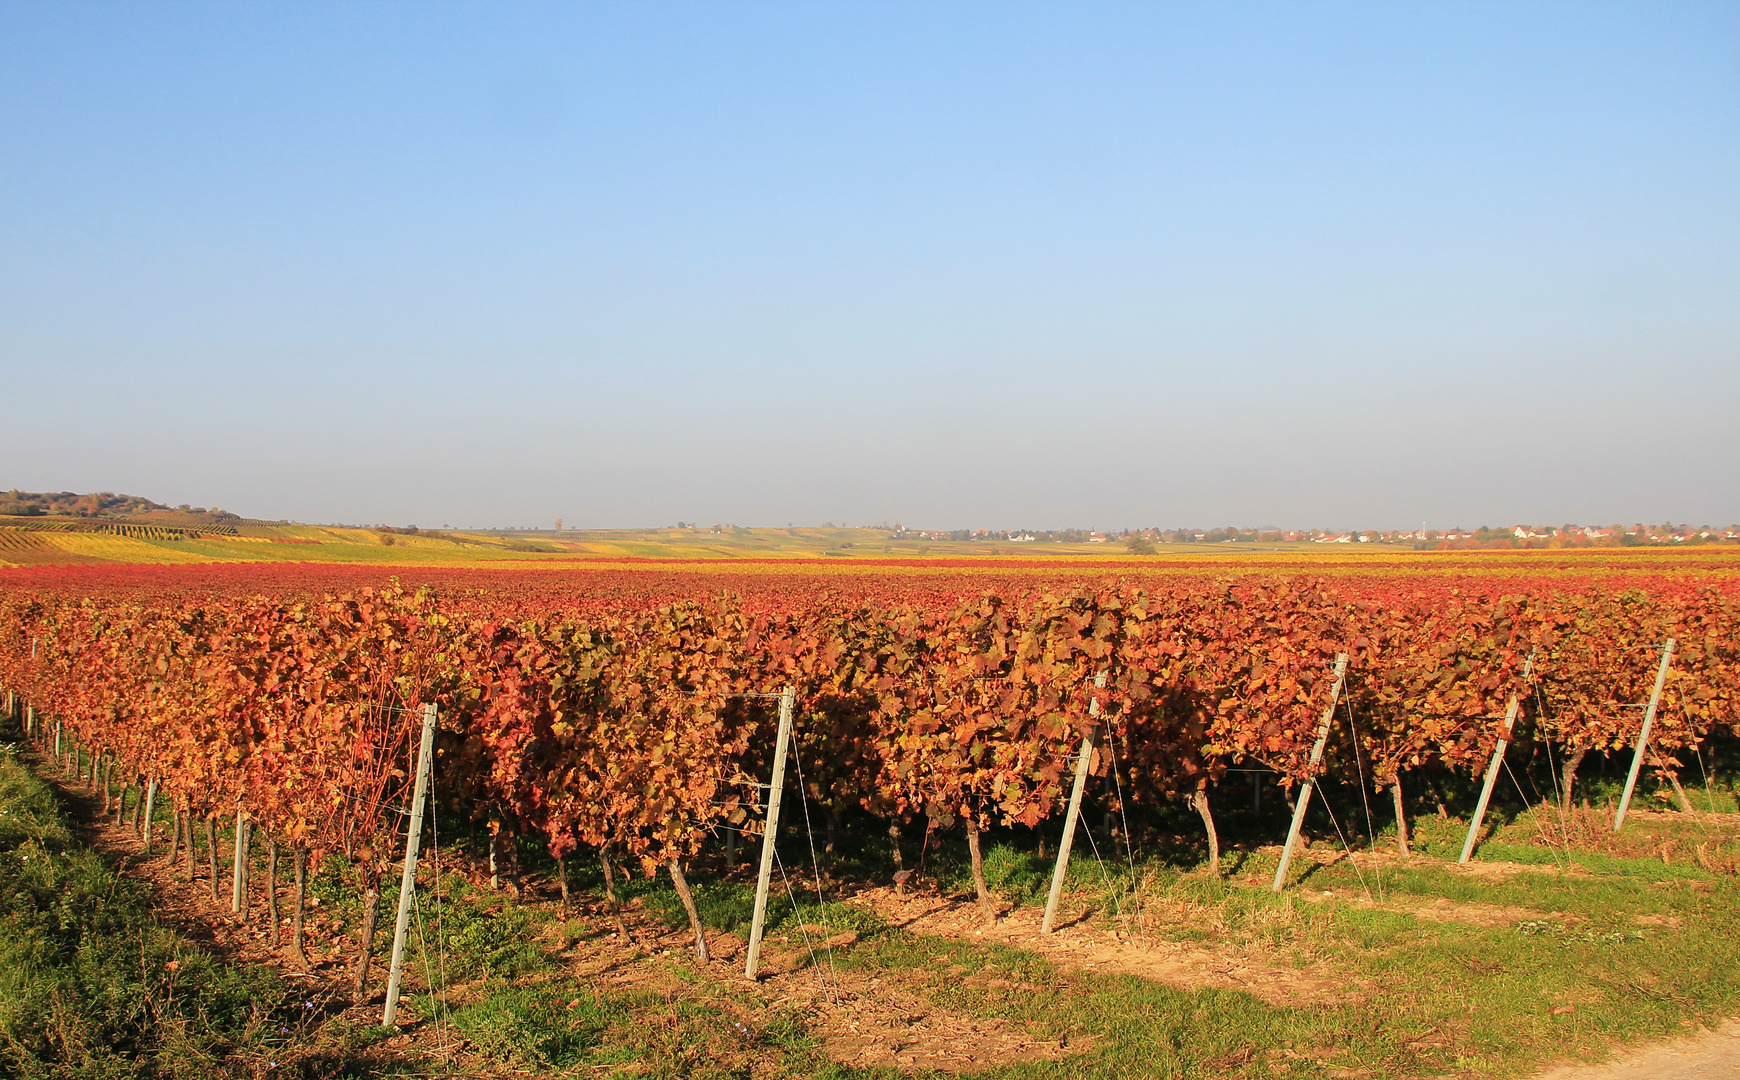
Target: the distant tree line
(17, 503)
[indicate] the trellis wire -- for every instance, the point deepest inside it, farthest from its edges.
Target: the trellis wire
(1352, 860)
(1124, 815)
(1552, 768)
(815, 862)
(1561, 798)
(444, 1017)
(803, 930)
(1370, 828)
(1541, 830)
(1709, 795)
(1111, 891)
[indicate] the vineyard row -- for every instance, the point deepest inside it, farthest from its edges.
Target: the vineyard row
(639, 734)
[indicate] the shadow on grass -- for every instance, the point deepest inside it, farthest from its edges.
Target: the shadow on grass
(93, 984)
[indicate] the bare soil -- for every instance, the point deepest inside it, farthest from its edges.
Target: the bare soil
(1471, 912)
(870, 1021)
(1706, 1055)
(1498, 871)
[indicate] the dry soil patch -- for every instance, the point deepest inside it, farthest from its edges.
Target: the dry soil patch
(1471, 912)
(1078, 946)
(1499, 871)
(868, 1021)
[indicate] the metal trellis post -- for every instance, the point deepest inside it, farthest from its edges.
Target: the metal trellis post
(1667, 658)
(150, 809)
(1083, 764)
(765, 878)
(1510, 711)
(408, 879)
(239, 865)
(1305, 788)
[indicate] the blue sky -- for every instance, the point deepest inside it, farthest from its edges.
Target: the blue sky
(1001, 265)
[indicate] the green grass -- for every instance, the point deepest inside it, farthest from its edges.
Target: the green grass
(471, 936)
(1573, 952)
(1573, 972)
(536, 1027)
(91, 984)
(1486, 993)
(697, 1028)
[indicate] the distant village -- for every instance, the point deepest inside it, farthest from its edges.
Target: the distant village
(1511, 536)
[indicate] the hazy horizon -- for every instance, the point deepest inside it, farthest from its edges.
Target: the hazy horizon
(567, 527)
(961, 266)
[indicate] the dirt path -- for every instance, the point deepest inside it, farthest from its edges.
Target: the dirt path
(1708, 1055)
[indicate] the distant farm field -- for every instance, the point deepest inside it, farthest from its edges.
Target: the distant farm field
(821, 552)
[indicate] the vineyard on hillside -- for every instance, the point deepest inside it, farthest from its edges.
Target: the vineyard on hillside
(636, 727)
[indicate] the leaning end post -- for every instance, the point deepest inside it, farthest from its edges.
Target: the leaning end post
(1311, 769)
(408, 879)
(1510, 711)
(1667, 657)
(771, 833)
(1083, 764)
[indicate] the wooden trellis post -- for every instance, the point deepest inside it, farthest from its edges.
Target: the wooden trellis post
(1083, 763)
(1667, 658)
(776, 788)
(408, 879)
(1305, 788)
(1510, 711)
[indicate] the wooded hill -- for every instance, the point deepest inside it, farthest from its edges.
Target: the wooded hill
(107, 505)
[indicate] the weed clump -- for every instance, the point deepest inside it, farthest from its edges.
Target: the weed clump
(532, 1027)
(484, 942)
